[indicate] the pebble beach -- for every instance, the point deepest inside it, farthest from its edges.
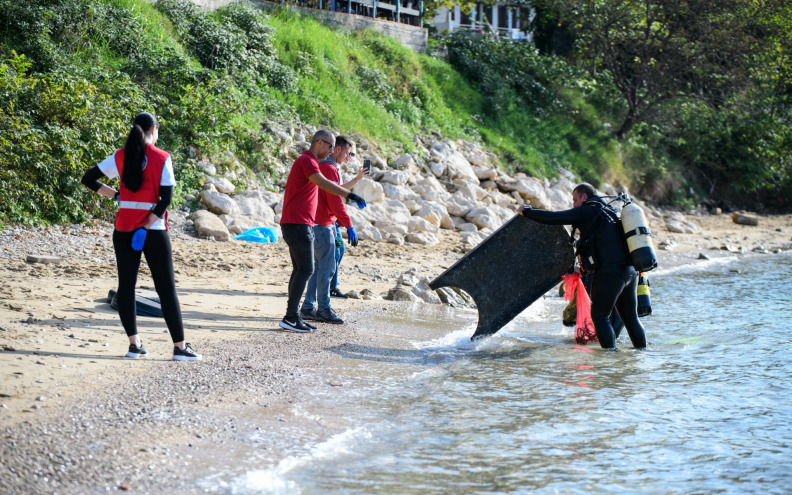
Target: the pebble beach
(76, 417)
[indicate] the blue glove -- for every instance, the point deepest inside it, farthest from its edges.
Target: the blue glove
(139, 238)
(357, 199)
(353, 240)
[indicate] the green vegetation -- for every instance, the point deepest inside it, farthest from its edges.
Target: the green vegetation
(74, 72)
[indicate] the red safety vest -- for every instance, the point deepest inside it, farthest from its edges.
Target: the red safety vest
(135, 207)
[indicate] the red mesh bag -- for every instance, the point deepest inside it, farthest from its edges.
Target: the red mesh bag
(584, 327)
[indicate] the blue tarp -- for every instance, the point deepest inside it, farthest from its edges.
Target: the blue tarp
(258, 234)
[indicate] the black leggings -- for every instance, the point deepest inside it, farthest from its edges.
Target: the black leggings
(300, 239)
(157, 249)
(615, 286)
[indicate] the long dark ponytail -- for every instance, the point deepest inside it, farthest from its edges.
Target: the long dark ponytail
(135, 150)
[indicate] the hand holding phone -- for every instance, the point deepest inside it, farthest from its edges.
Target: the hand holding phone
(366, 166)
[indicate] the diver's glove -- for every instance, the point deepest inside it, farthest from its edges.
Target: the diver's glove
(525, 208)
(139, 238)
(353, 240)
(357, 199)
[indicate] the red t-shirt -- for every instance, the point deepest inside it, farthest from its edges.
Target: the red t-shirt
(331, 206)
(300, 197)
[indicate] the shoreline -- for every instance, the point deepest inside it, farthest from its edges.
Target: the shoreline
(104, 421)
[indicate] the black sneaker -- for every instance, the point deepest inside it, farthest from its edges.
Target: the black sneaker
(186, 354)
(295, 323)
(337, 293)
(328, 316)
(308, 314)
(135, 351)
(309, 325)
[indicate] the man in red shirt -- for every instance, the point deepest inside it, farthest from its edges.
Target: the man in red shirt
(297, 220)
(329, 210)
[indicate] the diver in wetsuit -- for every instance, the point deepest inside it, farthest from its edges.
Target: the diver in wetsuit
(615, 279)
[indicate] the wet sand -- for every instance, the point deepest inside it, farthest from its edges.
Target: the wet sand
(77, 417)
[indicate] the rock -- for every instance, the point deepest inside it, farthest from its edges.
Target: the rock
(393, 229)
(15, 307)
(472, 239)
(432, 212)
(533, 191)
(745, 219)
(369, 295)
(408, 278)
(450, 297)
(47, 260)
(219, 203)
(221, 184)
(207, 167)
(208, 224)
(124, 487)
(367, 232)
(418, 224)
(484, 218)
(401, 293)
(459, 204)
(676, 227)
(423, 238)
(369, 190)
(399, 193)
(395, 177)
(404, 162)
(252, 203)
(437, 169)
(422, 290)
(703, 256)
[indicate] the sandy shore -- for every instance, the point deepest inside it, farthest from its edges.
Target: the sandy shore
(76, 417)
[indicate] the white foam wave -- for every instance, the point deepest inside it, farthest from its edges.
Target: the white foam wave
(699, 265)
(275, 480)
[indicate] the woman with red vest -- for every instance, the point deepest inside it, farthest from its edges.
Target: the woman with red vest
(145, 192)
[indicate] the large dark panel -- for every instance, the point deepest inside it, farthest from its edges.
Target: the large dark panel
(510, 270)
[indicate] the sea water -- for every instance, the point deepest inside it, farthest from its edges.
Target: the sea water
(706, 408)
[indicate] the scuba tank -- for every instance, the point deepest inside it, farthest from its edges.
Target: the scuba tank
(639, 241)
(644, 303)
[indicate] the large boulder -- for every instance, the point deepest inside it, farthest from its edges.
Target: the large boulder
(423, 238)
(219, 203)
(484, 218)
(533, 191)
(418, 224)
(432, 212)
(210, 225)
(402, 293)
(424, 292)
(460, 204)
(367, 232)
(399, 193)
(395, 177)
(404, 162)
(456, 166)
(222, 184)
(745, 219)
(253, 204)
(369, 190)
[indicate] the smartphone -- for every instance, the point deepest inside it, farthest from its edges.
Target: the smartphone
(366, 166)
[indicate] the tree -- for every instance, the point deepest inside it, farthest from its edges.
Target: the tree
(661, 50)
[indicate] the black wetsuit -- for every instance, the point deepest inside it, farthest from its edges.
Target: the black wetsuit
(615, 280)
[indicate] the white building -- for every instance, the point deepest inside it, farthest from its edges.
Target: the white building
(502, 18)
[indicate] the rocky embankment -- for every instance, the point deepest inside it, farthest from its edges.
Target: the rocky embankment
(449, 185)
